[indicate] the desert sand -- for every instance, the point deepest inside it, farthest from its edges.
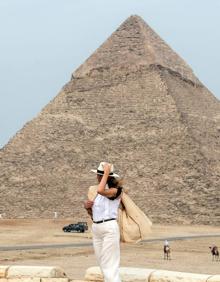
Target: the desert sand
(190, 255)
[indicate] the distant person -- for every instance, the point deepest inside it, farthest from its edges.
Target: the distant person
(214, 252)
(166, 250)
(166, 243)
(104, 212)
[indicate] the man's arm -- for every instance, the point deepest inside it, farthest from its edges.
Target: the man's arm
(101, 188)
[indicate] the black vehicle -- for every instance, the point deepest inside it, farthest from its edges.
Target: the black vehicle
(76, 227)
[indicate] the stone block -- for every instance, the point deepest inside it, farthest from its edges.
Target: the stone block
(35, 271)
(131, 274)
(21, 279)
(93, 274)
(214, 278)
(127, 274)
(3, 270)
(54, 279)
(172, 276)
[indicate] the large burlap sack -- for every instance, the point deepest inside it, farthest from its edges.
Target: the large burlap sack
(133, 223)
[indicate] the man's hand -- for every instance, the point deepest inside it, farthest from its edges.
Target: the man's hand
(107, 168)
(88, 204)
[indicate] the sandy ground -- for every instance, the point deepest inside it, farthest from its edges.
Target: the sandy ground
(191, 255)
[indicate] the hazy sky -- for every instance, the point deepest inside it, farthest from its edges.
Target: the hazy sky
(43, 41)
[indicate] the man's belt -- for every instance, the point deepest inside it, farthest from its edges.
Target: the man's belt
(104, 220)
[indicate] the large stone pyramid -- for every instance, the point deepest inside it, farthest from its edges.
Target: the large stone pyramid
(137, 104)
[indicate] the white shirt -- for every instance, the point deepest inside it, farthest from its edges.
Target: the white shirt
(166, 243)
(103, 208)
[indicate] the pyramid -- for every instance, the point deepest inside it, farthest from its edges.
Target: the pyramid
(134, 103)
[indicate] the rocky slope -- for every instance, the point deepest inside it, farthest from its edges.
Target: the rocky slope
(137, 104)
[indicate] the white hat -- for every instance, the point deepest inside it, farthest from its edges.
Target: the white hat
(100, 170)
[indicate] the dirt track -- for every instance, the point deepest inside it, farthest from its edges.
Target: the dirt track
(187, 255)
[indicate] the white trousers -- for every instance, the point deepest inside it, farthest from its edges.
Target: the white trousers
(106, 242)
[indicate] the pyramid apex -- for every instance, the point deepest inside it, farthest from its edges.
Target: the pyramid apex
(134, 44)
(135, 18)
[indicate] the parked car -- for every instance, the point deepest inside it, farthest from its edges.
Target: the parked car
(76, 227)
